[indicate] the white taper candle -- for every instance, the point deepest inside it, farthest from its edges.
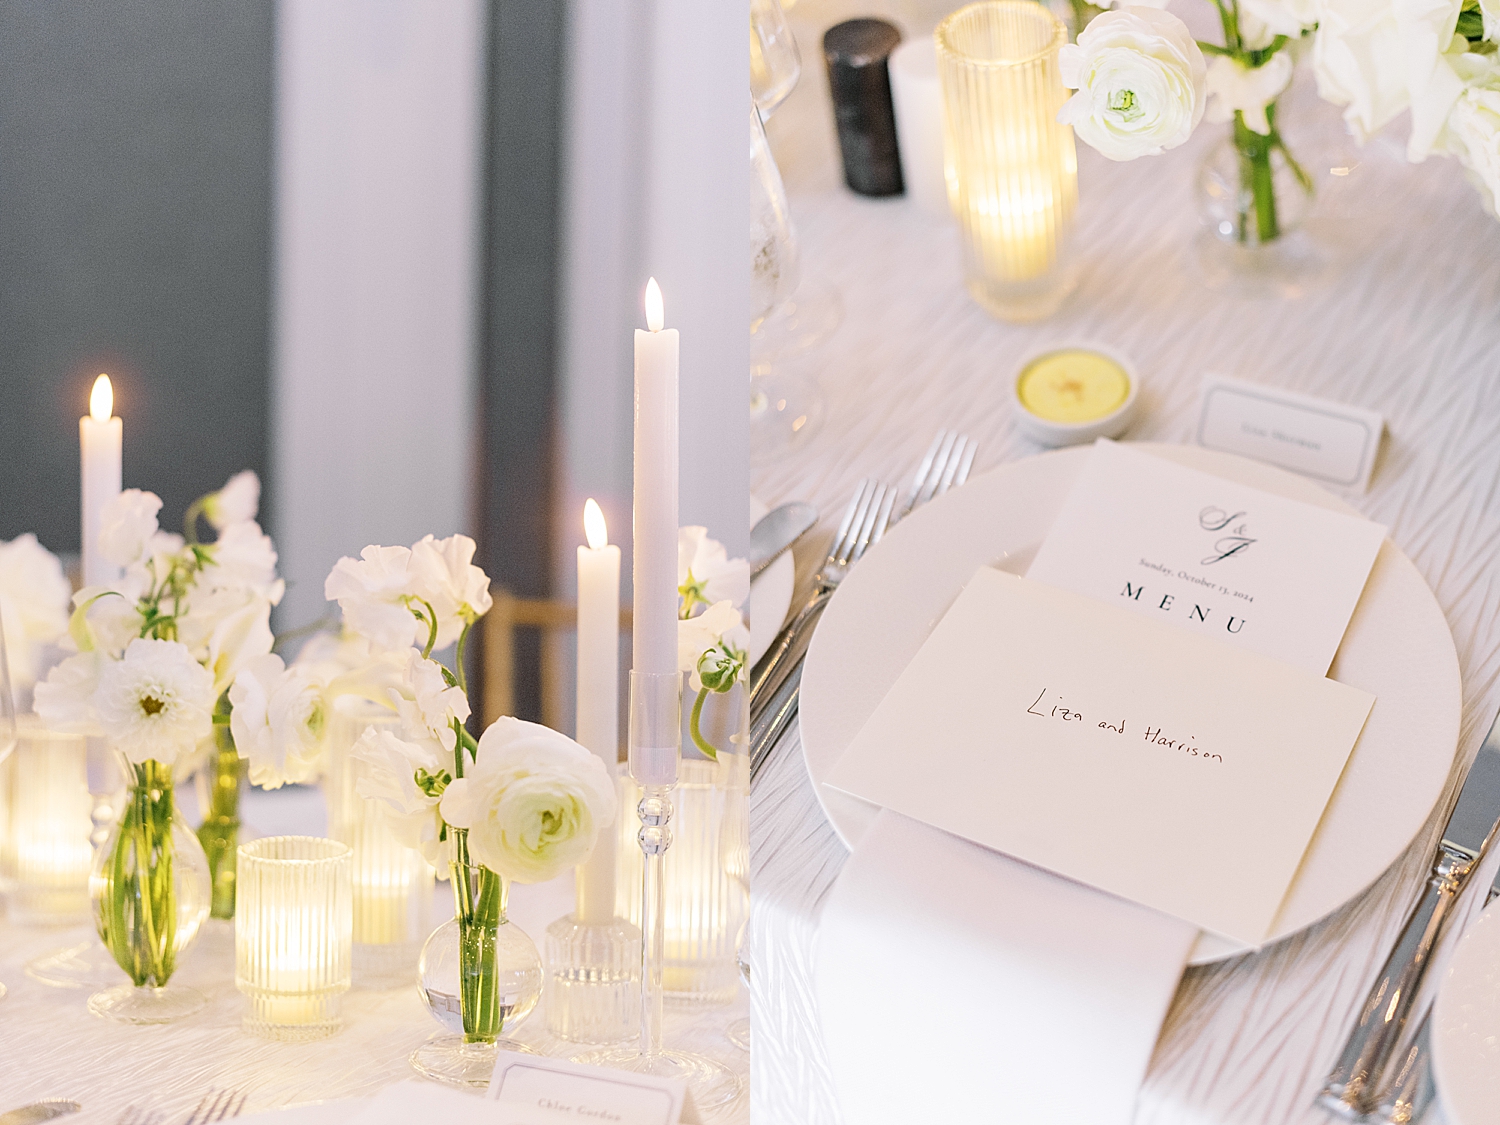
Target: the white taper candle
(598, 715)
(99, 443)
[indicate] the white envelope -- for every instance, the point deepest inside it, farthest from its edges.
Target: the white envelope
(1127, 754)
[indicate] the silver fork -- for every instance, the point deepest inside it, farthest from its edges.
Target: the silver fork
(776, 678)
(775, 685)
(217, 1105)
(133, 1116)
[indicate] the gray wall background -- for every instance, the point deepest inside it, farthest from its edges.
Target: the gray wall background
(135, 220)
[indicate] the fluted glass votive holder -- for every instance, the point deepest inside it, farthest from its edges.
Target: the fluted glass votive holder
(392, 883)
(1013, 168)
(293, 927)
(45, 851)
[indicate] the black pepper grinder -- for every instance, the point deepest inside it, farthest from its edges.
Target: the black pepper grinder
(856, 52)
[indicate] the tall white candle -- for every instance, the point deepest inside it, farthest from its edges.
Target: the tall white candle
(99, 443)
(654, 632)
(598, 696)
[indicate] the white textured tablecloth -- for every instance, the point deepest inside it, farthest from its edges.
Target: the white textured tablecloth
(1409, 326)
(52, 1047)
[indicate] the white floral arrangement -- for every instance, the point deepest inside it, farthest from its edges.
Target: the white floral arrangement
(34, 597)
(712, 640)
(157, 650)
(522, 801)
(1143, 83)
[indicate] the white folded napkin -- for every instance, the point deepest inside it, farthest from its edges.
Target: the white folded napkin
(955, 984)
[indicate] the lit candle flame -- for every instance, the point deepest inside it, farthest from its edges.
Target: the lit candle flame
(102, 400)
(593, 524)
(655, 315)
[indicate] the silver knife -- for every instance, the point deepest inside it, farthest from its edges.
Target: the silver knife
(1412, 1089)
(777, 530)
(1354, 1085)
(39, 1111)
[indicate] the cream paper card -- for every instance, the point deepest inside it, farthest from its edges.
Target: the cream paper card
(1218, 558)
(1112, 749)
(535, 1090)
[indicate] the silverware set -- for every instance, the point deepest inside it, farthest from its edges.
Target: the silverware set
(1384, 1072)
(776, 681)
(217, 1105)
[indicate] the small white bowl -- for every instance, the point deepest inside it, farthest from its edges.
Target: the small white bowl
(1053, 433)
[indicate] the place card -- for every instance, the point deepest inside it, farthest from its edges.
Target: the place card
(1327, 441)
(1218, 558)
(1112, 749)
(535, 1090)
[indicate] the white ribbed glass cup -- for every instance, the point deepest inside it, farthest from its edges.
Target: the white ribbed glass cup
(46, 814)
(293, 932)
(1013, 167)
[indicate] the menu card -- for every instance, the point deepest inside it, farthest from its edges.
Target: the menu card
(1209, 555)
(1112, 749)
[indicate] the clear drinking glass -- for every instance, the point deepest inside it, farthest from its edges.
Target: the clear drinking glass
(775, 63)
(1015, 189)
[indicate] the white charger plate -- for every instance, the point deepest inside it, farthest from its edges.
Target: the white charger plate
(1466, 1027)
(1397, 647)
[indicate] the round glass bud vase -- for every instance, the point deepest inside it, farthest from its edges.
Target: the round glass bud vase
(1254, 196)
(150, 890)
(480, 976)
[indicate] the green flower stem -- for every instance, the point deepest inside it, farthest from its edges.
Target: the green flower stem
(137, 914)
(694, 718)
(219, 832)
(1255, 171)
(480, 897)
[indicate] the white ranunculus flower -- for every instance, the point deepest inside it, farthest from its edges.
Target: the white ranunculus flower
(65, 699)
(706, 573)
(243, 558)
(127, 524)
(34, 609)
(388, 768)
(1139, 75)
(1234, 88)
(237, 502)
(1473, 129)
(372, 591)
(533, 802)
(443, 574)
(156, 701)
(696, 635)
(279, 721)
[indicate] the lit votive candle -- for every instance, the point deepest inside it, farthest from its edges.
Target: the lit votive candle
(1075, 394)
(293, 935)
(45, 805)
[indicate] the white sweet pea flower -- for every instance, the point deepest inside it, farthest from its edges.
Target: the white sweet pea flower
(444, 576)
(243, 558)
(1262, 20)
(1490, 11)
(65, 699)
(237, 502)
(1472, 132)
(533, 802)
(373, 592)
(1379, 57)
(127, 524)
(409, 777)
(433, 704)
(156, 701)
(241, 635)
(279, 721)
(1234, 88)
(34, 596)
(705, 572)
(1140, 76)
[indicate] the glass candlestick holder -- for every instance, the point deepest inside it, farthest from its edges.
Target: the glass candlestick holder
(655, 756)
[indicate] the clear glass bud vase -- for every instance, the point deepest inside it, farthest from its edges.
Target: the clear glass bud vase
(220, 781)
(480, 975)
(149, 886)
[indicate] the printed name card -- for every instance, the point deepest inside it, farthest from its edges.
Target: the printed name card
(1327, 441)
(535, 1090)
(1209, 555)
(1116, 750)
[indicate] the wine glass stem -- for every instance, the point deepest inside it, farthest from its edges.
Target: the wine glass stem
(655, 812)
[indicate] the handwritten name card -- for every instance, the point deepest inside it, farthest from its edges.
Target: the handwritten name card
(534, 1090)
(1111, 748)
